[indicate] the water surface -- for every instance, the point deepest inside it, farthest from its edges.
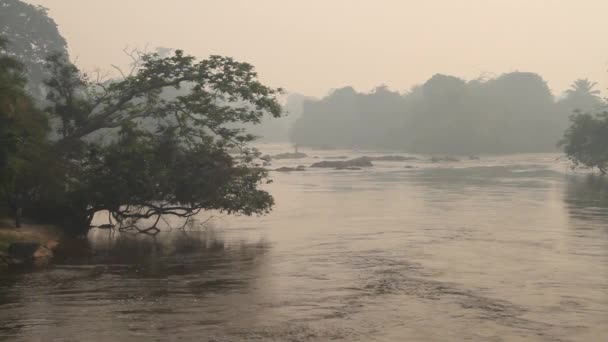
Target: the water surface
(509, 248)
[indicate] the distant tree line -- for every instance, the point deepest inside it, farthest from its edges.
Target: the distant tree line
(277, 129)
(514, 112)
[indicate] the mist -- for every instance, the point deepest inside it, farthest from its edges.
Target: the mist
(323, 170)
(512, 113)
(314, 46)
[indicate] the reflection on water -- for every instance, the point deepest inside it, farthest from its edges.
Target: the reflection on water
(506, 248)
(587, 198)
(121, 286)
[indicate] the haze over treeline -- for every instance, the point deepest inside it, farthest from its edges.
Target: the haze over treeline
(514, 112)
(310, 46)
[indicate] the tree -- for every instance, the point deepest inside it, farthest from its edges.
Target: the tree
(586, 141)
(582, 96)
(33, 36)
(23, 130)
(584, 87)
(170, 154)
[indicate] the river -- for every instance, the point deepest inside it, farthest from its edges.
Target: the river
(506, 248)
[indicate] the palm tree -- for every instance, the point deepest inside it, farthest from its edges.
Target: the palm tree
(582, 97)
(583, 87)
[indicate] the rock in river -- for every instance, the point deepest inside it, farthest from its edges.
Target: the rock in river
(349, 168)
(289, 169)
(444, 159)
(295, 155)
(391, 158)
(358, 162)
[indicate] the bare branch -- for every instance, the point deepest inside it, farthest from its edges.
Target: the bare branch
(119, 70)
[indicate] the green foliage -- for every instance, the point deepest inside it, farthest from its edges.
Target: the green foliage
(154, 143)
(166, 154)
(23, 129)
(155, 171)
(33, 35)
(586, 141)
(63, 93)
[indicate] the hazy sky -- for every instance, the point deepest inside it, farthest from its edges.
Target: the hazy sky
(311, 46)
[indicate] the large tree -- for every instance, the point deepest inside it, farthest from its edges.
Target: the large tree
(33, 36)
(167, 154)
(23, 130)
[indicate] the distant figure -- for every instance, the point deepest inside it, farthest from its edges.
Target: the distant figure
(16, 204)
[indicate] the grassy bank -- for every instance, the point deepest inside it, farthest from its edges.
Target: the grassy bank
(29, 233)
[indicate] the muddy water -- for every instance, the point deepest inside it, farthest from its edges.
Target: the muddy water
(511, 248)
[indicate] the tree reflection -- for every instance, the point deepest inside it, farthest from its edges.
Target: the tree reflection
(587, 198)
(173, 253)
(146, 285)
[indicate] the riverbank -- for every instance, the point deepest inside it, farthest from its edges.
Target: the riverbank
(29, 232)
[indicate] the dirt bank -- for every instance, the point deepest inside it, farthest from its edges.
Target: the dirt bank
(27, 233)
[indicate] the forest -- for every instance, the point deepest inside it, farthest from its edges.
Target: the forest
(513, 113)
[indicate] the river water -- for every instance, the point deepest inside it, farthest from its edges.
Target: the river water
(506, 248)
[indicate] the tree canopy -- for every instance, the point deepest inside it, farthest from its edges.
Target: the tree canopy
(23, 129)
(126, 147)
(586, 141)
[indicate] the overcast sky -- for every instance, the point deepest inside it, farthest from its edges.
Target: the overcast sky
(311, 46)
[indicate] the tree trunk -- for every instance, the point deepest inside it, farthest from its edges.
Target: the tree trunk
(79, 223)
(18, 214)
(18, 207)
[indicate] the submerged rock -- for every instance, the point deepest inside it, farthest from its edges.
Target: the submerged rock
(295, 155)
(289, 169)
(472, 157)
(444, 159)
(337, 157)
(349, 168)
(391, 158)
(358, 162)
